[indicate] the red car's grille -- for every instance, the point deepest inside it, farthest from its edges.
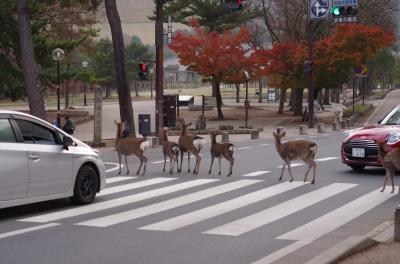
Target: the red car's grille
(371, 149)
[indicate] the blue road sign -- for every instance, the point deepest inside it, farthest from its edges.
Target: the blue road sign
(318, 9)
(344, 2)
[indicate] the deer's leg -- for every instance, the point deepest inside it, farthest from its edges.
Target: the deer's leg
(283, 169)
(212, 161)
(143, 159)
(126, 163)
(119, 158)
(171, 164)
(219, 166)
(231, 160)
(165, 161)
(189, 162)
(385, 180)
(392, 172)
(315, 168)
(180, 169)
(198, 160)
(290, 172)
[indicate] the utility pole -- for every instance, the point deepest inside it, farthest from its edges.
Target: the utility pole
(159, 37)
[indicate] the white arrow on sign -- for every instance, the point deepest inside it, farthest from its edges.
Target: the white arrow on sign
(318, 9)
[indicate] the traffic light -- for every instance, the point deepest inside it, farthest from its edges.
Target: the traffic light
(143, 71)
(340, 11)
(308, 66)
(233, 5)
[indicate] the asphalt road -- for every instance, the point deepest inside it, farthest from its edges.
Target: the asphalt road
(159, 218)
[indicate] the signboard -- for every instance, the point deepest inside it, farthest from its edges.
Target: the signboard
(349, 19)
(344, 2)
(318, 9)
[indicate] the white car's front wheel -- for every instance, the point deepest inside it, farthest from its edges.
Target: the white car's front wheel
(86, 185)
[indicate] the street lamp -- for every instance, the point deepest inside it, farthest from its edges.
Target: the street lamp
(246, 102)
(58, 54)
(85, 64)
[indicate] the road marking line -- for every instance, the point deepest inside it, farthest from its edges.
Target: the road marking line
(325, 224)
(134, 185)
(264, 145)
(95, 207)
(115, 168)
(327, 158)
(166, 205)
(293, 165)
(256, 173)
(262, 218)
(281, 253)
(119, 179)
(160, 161)
(299, 138)
(329, 222)
(27, 230)
(244, 148)
(222, 208)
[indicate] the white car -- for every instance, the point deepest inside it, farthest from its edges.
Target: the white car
(40, 162)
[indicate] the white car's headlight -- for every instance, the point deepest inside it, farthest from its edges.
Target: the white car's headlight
(393, 138)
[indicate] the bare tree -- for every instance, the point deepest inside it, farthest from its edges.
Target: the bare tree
(35, 98)
(124, 96)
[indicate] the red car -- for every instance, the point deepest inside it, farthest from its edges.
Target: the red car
(359, 149)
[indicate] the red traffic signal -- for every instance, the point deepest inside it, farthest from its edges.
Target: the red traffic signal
(143, 67)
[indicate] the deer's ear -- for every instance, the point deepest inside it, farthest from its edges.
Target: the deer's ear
(283, 134)
(190, 123)
(115, 122)
(273, 133)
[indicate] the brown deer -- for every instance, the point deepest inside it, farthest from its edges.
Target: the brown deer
(191, 144)
(219, 150)
(296, 150)
(170, 149)
(130, 146)
(390, 161)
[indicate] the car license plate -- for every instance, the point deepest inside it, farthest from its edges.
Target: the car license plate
(358, 152)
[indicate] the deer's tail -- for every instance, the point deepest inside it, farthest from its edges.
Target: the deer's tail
(144, 145)
(199, 143)
(314, 149)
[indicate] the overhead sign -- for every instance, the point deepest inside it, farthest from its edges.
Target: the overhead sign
(318, 9)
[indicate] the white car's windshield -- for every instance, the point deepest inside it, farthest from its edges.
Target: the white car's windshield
(393, 118)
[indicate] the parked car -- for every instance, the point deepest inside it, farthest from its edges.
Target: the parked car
(41, 162)
(359, 149)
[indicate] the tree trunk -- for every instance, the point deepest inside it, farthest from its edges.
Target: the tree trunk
(214, 89)
(237, 85)
(260, 91)
(327, 96)
(282, 101)
(298, 102)
(108, 91)
(219, 100)
(136, 86)
(35, 98)
(124, 95)
(292, 99)
(319, 98)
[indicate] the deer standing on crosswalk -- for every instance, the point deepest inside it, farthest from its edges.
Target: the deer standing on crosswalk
(219, 150)
(296, 150)
(390, 161)
(170, 150)
(189, 143)
(130, 146)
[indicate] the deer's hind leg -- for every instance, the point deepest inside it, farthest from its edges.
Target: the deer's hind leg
(290, 171)
(392, 172)
(387, 173)
(283, 169)
(180, 169)
(119, 159)
(126, 164)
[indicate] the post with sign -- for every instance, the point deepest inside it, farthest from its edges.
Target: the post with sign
(159, 41)
(98, 113)
(317, 10)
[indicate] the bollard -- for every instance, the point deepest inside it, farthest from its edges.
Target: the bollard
(348, 124)
(153, 141)
(225, 136)
(351, 121)
(342, 124)
(334, 126)
(302, 130)
(397, 224)
(321, 128)
(255, 134)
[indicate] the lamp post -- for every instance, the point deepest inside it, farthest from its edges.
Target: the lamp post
(246, 102)
(85, 64)
(58, 54)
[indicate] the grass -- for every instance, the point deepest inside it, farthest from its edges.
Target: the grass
(358, 109)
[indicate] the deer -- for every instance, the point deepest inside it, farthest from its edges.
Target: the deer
(390, 162)
(170, 149)
(296, 150)
(189, 143)
(219, 150)
(130, 146)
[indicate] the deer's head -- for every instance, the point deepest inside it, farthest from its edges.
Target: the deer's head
(120, 128)
(185, 127)
(279, 134)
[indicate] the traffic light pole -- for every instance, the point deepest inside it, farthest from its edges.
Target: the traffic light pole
(159, 36)
(309, 76)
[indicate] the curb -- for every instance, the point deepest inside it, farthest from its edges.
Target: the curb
(355, 244)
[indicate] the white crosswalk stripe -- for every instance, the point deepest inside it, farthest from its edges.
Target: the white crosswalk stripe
(256, 173)
(119, 179)
(222, 208)
(279, 211)
(115, 202)
(166, 205)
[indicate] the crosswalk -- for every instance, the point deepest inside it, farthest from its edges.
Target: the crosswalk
(203, 199)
